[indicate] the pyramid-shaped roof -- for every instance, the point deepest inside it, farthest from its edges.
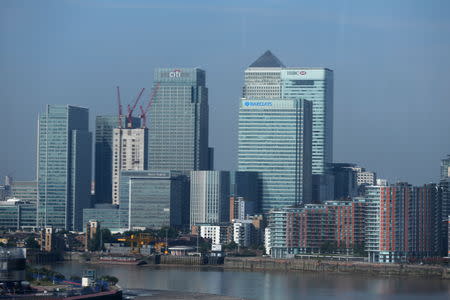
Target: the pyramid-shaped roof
(267, 60)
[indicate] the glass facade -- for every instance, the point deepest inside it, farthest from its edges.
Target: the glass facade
(25, 190)
(154, 199)
(178, 123)
(104, 126)
(64, 166)
(17, 216)
(315, 85)
(109, 216)
(210, 192)
(275, 141)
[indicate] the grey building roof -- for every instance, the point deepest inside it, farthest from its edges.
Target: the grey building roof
(267, 60)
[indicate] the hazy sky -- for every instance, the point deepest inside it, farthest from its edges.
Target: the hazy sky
(391, 61)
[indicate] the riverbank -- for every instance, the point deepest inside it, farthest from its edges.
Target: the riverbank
(269, 264)
(174, 295)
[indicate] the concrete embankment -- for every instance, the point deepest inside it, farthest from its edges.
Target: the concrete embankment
(268, 264)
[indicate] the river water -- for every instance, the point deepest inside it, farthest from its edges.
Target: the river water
(267, 285)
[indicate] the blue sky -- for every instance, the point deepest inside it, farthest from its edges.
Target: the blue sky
(391, 61)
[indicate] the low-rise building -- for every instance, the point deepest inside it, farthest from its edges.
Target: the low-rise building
(219, 234)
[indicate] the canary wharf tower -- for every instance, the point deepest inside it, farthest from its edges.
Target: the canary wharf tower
(178, 123)
(268, 78)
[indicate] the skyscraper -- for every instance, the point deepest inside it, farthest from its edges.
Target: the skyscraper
(130, 148)
(268, 78)
(104, 126)
(445, 168)
(210, 191)
(178, 129)
(64, 166)
(275, 141)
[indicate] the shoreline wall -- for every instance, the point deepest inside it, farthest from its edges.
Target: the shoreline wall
(269, 264)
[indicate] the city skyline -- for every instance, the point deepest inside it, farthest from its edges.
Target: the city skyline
(392, 100)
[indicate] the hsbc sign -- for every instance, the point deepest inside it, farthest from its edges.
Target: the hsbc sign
(301, 72)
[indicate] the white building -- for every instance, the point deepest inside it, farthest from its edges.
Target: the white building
(210, 191)
(267, 244)
(129, 154)
(243, 232)
(365, 177)
(217, 233)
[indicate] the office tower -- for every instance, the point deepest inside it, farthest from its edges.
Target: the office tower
(104, 126)
(25, 191)
(268, 78)
(444, 204)
(130, 148)
(178, 138)
(210, 191)
(64, 166)
(445, 168)
(275, 141)
(16, 214)
(364, 177)
(244, 198)
(155, 199)
(109, 216)
(345, 180)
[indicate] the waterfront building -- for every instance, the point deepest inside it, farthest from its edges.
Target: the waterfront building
(109, 216)
(220, 234)
(284, 232)
(267, 241)
(445, 168)
(209, 194)
(243, 232)
(63, 167)
(104, 126)
(155, 199)
(345, 182)
(178, 138)
(25, 191)
(130, 148)
(16, 214)
(275, 141)
(444, 203)
(402, 223)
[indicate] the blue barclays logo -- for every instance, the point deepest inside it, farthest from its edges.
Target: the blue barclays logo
(248, 103)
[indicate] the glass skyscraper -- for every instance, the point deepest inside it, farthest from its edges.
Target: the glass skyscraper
(275, 141)
(268, 78)
(178, 122)
(64, 166)
(104, 126)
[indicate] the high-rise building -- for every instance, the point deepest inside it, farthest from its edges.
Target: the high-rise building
(268, 78)
(63, 166)
(210, 191)
(25, 191)
(104, 126)
(445, 168)
(178, 137)
(345, 180)
(155, 199)
(275, 141)
(130, 146)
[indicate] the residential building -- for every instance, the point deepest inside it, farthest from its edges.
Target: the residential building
(243, 232)
(104, 126)
(284, 232)
(155, 199)
(178, 137)
(210, 191)
(218, 233)
(63, 167)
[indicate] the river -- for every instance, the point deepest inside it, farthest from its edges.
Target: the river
(267, 285)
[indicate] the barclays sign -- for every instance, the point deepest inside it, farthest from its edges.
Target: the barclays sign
(259, 103)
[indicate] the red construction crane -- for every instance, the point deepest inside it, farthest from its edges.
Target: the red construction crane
(120, 107)
(144, 112)
(131, 109)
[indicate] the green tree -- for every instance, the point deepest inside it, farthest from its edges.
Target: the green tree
(31, 243)
(328, 247)
(110, 279)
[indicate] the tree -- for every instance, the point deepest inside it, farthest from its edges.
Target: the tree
(31, 243)
(110, 279)
(328, 247)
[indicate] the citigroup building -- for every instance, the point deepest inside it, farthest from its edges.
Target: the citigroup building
(275, 141)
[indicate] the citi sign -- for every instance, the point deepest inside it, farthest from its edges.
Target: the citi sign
(248, 103)
(175, 74)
